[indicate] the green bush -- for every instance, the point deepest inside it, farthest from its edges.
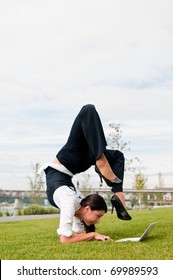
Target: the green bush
(35, 209)
(19, 212)
(51, 210)
(7, 214)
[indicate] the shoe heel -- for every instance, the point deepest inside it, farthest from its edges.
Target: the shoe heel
(98, 172)
(101, 180)
(112, 210)
(110, 183)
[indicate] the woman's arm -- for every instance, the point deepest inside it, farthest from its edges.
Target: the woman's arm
(84, 237)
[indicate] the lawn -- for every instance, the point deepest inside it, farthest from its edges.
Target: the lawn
(37, 240)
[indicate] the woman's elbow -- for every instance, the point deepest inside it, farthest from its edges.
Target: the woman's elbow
(64, 239)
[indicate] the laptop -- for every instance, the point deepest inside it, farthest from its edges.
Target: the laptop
(142, 237)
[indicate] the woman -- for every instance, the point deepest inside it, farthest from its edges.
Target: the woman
(86, 146)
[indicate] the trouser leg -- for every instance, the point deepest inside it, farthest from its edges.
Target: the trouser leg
(91, 127)
(87, 131)
(116, 161)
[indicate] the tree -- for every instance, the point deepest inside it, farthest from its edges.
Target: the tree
(139, 183)
(115, 142)
(36, 184)
(114, 138)
(133, 200)
(85, 181)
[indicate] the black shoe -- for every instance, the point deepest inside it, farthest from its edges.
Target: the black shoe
(120, 209)
(110, 183)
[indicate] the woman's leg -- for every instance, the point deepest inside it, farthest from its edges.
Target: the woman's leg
(104, 167)
(88, 128)
(116, 161)
(110, 163)
(86, 144)
(87, 132)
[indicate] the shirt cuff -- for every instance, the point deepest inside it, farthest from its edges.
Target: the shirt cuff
(66, 232)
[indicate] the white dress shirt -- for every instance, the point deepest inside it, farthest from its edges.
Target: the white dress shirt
(68, 201)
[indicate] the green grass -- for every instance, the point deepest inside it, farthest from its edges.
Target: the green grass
(37, 239)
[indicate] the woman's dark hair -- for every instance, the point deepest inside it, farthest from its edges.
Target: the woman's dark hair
(95, 201)
(90, 228)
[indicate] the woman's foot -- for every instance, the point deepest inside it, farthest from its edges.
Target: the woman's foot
(118, 202)
(104, 168)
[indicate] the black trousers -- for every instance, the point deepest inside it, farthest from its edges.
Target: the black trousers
(86, 143)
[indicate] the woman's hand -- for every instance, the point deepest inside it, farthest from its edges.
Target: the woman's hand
(84, 237)
(101, 237)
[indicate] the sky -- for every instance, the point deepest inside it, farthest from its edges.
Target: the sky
(58, 55)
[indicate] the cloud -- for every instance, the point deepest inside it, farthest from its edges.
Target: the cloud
(82, 46)
(57, 56)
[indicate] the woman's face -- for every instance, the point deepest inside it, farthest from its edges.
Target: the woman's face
(92, 216)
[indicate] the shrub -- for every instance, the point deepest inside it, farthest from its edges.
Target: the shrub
(19, 212)
(7, 214)
(35, 209)
(51, 210)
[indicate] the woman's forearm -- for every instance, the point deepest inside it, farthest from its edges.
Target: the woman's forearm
(84, 237)
(77, 237)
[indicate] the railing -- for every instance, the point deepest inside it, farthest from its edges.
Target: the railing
(42, 194)
(21, 194)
